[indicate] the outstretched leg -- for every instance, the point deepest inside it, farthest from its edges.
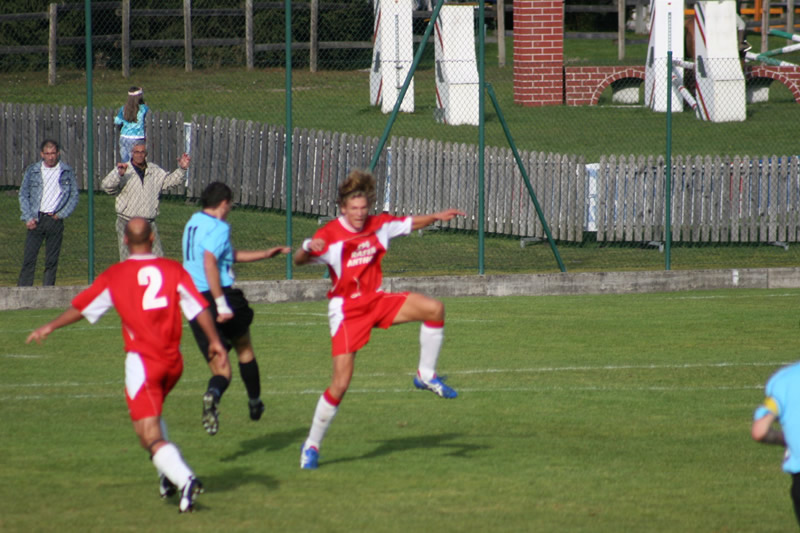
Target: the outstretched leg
(430, 312)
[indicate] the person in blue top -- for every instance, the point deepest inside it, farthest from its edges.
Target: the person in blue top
(782, 405)
(131, 117)
(48, 195)
(208, 256)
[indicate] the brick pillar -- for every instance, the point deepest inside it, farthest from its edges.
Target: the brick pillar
(539, 52)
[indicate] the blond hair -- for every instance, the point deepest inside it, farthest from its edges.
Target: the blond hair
(358, 184)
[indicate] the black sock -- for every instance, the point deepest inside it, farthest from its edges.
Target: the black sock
(217, 386)
(251, 378)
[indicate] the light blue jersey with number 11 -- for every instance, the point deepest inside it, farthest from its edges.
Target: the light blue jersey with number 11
(206, 233)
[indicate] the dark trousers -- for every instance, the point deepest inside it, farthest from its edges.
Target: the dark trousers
(51, 231)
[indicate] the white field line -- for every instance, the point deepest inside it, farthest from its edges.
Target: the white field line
(461, 390)
(46, 388)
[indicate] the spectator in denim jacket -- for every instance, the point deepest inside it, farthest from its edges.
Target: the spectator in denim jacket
(48, 195)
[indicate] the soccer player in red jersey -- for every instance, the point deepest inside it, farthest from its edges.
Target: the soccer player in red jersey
(353, 246)
(149, 294)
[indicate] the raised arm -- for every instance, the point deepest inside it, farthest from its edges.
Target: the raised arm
(114, 181)
(177, 176)
(421, 221)
(248, 256)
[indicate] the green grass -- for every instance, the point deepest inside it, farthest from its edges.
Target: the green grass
(338, 100)
(576, 413)
(429, 253)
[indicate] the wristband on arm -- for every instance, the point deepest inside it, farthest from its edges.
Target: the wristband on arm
(307, 245)
(222, 306)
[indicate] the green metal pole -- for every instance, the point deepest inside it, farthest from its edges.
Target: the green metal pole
(525, 178)
(668, 184)
(288, 7)
(785, 35)
(406, 83)
(481, 140)
(89, 135)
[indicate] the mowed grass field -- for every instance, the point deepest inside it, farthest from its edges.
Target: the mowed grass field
(576, 413)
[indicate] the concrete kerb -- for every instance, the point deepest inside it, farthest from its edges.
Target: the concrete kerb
(461, 286)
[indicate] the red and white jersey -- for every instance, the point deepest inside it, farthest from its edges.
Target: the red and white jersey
(354, 257)
(148, 292)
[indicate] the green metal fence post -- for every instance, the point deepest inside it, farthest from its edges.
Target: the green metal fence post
(406, 83)
(668, 184)
(89, 134)
(481, 140)
(525, 178)
(288, 22)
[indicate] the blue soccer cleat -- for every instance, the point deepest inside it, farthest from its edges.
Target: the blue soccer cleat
(309, 457)
(436, 386)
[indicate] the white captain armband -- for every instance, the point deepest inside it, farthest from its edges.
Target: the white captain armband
(307, 245)
(222, 306)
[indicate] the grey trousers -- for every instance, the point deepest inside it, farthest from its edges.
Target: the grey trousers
(51, 231)
(123, 248)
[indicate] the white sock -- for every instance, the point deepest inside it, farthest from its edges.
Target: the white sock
(169, 461)
(323, 416)
(163, 436)
(430, 342)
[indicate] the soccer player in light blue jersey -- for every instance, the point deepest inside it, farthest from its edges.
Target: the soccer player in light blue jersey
(208, 256)
(782, 405)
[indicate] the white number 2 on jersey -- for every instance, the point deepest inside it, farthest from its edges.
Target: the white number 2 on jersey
(150, 276)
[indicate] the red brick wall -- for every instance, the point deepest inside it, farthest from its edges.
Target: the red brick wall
(541, 79)
(789, 76)
(538, 52)
(584, 85)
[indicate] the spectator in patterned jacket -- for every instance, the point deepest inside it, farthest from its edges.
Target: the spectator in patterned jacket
(138, 186)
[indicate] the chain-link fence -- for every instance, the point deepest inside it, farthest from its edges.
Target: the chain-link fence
(588, 128)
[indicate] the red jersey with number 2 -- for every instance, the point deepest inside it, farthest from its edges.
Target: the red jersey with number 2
(354, 257)
(149, 293)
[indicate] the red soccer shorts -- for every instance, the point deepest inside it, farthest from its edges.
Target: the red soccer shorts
(147, 383)
(351, 320)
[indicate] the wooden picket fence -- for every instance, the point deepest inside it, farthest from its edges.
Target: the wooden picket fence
(714, 200)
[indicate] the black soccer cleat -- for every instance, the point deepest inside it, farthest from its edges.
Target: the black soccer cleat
(210, 413)
(256, 409)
